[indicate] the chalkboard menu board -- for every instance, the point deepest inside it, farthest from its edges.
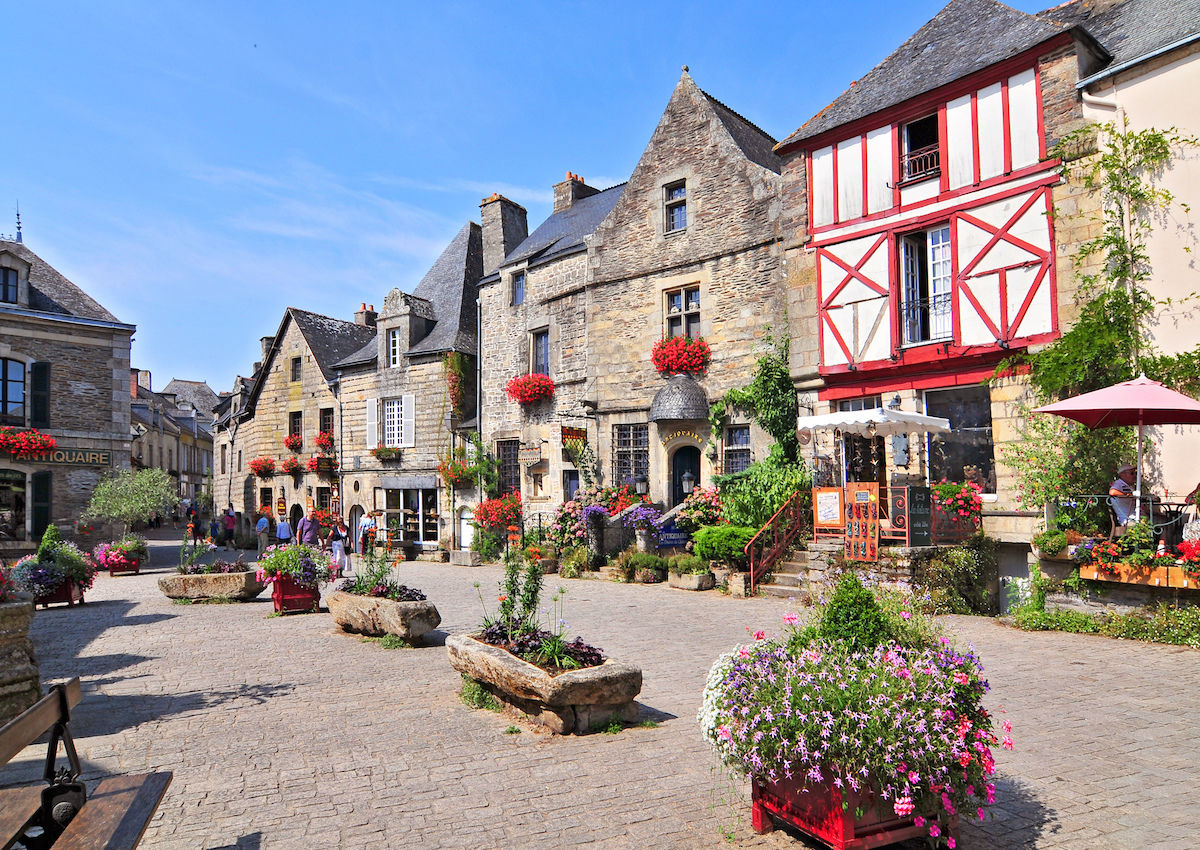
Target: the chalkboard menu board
(920, 517)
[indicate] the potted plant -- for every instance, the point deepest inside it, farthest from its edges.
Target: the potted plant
(25, 442)
(218, 580)
(58, 572)
(866, 722)
(373, 603)
(125, 556)
(958, 504)
(681, 355)
(290, 466)
(645, 520)
(1050, 544)
(324, 441)
(263, 466)
(527, 389)
(293, 442)
(687, 572)
(295, 571)
(565, 685)
(386, 454)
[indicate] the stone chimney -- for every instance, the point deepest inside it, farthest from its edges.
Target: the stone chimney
(133, 383)
(143, 379)
(265, 342)
(571, 190)
(504, 227)
(365, 315)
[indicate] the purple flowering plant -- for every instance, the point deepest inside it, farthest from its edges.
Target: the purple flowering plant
(902, 721)
(56, 561)
(306, 565)
(643, 517)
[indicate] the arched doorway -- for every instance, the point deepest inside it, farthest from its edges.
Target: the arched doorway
(686, 459)
(356, 514)
(294, 516)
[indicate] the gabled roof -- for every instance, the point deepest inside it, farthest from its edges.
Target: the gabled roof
(198, 393)
(964, 37)
(330, 340)
(50, 292)
(755, 143)
(1134, 29)
(563, 232)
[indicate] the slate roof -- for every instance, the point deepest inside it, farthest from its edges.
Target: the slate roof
(964, 37)
(198, 393)
(681, 398)
(755, 143)
(1135, 28)
(50, 292)
(563, 232)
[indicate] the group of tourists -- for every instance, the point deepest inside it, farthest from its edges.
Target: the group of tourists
(338, 541)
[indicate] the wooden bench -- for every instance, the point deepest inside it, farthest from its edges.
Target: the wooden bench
(113, 815)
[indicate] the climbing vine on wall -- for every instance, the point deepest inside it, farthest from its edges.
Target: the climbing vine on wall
(770, 398)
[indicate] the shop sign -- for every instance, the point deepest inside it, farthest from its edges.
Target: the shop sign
(528, 457)
(685, 435)
(76, 457)
(281, 506)
(569, 434)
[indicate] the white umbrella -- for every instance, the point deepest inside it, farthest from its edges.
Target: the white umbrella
(874, 421)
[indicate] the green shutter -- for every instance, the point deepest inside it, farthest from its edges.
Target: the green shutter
(39, 395)
(39, 502)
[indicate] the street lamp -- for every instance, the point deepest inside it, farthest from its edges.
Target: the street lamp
(689, 483)
(641, 484)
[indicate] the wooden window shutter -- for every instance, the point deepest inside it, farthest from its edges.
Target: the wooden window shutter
(39, 395)
(408, 421)
(372, 423)
(39, 502)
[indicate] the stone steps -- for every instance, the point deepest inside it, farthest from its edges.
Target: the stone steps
(790, 576)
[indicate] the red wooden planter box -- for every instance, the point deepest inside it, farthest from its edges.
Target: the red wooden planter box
(69, 592)
(136, 569)
(290, 597)
(817, 810)
(1129, 574)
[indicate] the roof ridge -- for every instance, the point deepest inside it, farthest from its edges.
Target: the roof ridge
(738, 115)
(323, 316)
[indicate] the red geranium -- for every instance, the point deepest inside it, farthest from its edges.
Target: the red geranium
(324, 441)
(526, 389)
(293, 442)
(501, 512)
(28, 443)
(290, 466)
(263, 467)
(680, 355)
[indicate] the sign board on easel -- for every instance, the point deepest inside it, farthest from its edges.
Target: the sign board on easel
(827, 508)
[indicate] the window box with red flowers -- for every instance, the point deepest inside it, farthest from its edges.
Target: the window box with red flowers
(527, 389)
(324, 441)
(322, 465)
(293, 442)
(25, 443)
(681, 355)
(290, 466)
(263, 467)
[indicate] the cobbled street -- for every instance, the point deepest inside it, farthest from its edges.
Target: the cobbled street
(283, 732)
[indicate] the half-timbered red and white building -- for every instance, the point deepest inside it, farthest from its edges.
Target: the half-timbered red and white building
(921, 241)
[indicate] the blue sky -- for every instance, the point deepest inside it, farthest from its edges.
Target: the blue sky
(199, 167)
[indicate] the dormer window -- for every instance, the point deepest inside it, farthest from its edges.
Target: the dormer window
(675, 206)
(8, 285)
(395, 355)
(921, 157)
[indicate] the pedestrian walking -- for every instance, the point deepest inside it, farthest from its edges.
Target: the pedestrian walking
(308, 530)
(230, 523)
(366, 533)
(261, 530)
(337, 543)
(283, 531)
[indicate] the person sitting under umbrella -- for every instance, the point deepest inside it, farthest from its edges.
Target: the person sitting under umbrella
(1121, 493)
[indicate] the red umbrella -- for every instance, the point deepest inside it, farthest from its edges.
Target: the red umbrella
(1138, 402)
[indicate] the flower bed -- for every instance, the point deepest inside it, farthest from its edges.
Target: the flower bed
(263, 466)
(222, 580)
(570, 525)
(680, 355)
(527, 389)
(375, 604)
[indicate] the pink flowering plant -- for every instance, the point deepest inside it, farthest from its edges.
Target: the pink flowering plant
(124, 554)
(960, 502)
(701, 507)
(868, 695)
(570, 525)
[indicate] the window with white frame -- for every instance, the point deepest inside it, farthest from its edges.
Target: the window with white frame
(394, 352)
(683, 312)
(539, 343)
(675, 207)
(925, 298)
(393, 421)
(737, 449)
(518, 288)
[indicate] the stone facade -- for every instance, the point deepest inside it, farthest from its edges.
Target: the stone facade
(176, 439)
(83, 352)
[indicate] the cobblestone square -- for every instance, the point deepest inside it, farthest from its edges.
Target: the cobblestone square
(283, 732)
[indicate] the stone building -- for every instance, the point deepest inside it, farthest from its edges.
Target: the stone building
(925, 240)
(377, 382)
(173, 434)
(65, 362)
(686, 247)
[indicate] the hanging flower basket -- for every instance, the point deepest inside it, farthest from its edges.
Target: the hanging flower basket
(263, 467)
(25, 443)
(290, 466)
(293, 442)
(322, 465)
(324, 441)
(386, 454)
(527, 389)
(680, 355)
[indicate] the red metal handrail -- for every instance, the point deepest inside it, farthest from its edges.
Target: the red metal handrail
(773, 540)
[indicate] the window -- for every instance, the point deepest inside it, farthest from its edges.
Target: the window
(393, 421)
(8, 286)
(12, 393)
(675, 206)
(326, 419)
(921, 158)
(631, 452)
(518, 288)
(324, 498)
(394, 352)
(171, 458)
(295, 368)
(737, 449)
(570, 483)
(683, 312)
(965, 453)
(239, 458)
(925, 300)
(507, 452)
(541, 353)
(224, 453)
(296, 423)
(12, 504)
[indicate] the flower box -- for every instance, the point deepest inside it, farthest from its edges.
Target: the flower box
(375, 616)
(127, 567)
(386, 454)
(69, 592)
(290, 597)
(681, 355)
(1129, 574)
(1178, 578)
(691, 581)
(828, 814)
(527, 389)
(293, 442)
(241, 586)
(575, 701)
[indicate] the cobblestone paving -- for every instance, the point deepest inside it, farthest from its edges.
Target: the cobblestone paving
(283, 732)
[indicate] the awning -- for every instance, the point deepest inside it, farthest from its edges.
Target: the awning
(876, 421)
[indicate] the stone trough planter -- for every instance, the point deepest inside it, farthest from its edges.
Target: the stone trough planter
(691, 581)
(575, 701)
(20, 683)
(240, 586)
(375, 617)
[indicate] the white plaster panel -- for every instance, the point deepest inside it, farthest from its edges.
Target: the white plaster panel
(880, 346)
(960, 146)
(833, 351)
(879, 169)
(850, 197)
(986, 290)
(1022, 118)
(822, 186)
(922, 191)
(991, 131)
(1037, 317)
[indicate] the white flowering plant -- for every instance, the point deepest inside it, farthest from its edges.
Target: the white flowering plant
(898, 715)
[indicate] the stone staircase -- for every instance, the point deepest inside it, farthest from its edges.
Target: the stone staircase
(792, 574)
